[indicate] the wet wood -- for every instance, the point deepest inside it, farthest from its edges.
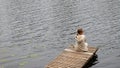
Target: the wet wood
(72, 59)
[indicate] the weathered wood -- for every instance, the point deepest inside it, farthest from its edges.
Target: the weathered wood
(72, 59)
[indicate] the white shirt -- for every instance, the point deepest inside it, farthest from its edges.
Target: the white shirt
(81, 43)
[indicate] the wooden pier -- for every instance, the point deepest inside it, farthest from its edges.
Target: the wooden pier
(72, 59)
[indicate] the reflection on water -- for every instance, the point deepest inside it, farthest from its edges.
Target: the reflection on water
(34, 32)
(93, 61)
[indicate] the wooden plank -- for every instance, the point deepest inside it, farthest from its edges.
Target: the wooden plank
(72, 59)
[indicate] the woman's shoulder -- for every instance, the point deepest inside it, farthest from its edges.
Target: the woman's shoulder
(82, 35)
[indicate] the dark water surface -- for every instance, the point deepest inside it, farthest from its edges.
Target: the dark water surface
(34, 32)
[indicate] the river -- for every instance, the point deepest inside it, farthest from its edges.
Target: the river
(34, 32)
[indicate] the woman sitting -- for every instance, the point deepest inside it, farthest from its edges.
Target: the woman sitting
(81, 44)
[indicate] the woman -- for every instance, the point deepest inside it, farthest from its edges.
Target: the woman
(81, 44)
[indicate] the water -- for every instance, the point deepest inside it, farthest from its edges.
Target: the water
(34, 32)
